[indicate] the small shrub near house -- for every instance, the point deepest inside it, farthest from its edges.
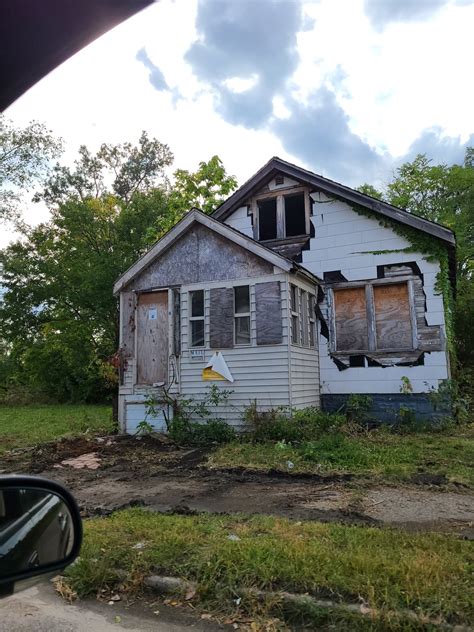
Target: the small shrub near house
(186, 432)
(194, 421)
(278, 425)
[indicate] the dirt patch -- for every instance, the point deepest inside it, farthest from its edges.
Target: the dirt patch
(153, 473)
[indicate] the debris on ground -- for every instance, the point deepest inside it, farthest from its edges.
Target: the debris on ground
(118, 471)
(90, 461)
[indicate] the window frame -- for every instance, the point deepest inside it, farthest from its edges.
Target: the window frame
(192, 318)
(295, 314)
(240, 315)
(370, 308)
(280, 194)
(312, 321)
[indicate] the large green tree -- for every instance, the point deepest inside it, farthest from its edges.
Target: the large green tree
(58, 316)
(205, 188)
(25, 160)
(444, 194)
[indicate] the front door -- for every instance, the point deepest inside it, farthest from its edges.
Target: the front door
(152, 338)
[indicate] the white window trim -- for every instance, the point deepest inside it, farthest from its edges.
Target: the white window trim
(243, 315)
(295, 314)
(311, 320)
(192, 318)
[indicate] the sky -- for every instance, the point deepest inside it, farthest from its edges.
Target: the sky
(347, 88)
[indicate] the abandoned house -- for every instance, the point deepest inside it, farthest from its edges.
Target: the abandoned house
(297, 292)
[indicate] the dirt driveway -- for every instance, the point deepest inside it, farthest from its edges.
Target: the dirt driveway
(108, 473)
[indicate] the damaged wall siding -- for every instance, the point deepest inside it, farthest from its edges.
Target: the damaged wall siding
(347, 242)
(241, 221)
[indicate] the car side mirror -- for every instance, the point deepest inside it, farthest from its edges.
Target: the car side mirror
(40, 530)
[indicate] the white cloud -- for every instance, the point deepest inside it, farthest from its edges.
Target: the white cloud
(389, 86)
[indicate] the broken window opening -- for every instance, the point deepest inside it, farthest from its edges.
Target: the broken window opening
(295, 215)
(267, 219)
(242, 315)
(196, 319)
(357, 361)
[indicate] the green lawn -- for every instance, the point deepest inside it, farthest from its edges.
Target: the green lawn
(378, 454)
(28, 425)
(388, 569)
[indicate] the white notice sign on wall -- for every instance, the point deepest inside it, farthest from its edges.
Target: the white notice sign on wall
(152, 313)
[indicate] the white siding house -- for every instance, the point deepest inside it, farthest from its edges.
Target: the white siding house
(194, 260)
(351, 242)
(308, 291)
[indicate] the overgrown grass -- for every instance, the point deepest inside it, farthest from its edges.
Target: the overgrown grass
(388, 569)
(28, 425)
(376, 454)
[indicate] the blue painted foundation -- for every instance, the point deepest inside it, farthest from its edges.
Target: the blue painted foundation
(386, 406)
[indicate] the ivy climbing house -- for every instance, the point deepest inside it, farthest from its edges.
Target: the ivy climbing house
(298, 291)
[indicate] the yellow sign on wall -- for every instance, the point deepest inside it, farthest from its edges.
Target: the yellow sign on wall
(209, 374)
(217, 369)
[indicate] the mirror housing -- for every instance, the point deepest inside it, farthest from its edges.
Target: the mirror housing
(40, 530)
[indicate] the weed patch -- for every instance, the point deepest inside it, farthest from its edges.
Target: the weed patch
(379, 454)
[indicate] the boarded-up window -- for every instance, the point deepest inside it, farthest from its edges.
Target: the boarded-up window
(268, 313)
(351, 319)
(221, 318)
(392, 317)
(152, 338)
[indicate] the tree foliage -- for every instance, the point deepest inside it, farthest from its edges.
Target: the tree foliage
(58, 318)
(443, 194)
(25, 159)
(206, 188)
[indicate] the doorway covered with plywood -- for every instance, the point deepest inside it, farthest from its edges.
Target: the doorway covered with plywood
(152, 338)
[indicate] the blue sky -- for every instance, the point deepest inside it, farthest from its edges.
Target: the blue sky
(347, 88)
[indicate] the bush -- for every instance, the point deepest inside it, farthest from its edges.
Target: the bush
(186, 432)
(302, 425)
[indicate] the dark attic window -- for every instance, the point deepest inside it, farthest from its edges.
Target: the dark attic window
(267, 214)
(295, 217)
(279, 179)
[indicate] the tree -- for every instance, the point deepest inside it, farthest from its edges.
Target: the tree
(25, 160)
(205, 189)
(444, 194)
(59, 318)
(121, 170)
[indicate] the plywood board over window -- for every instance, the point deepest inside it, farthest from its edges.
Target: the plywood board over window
(392, 317)
(351, 319)
(152, 338)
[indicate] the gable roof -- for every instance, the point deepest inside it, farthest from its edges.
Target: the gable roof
(197, 216)
(330, 187)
